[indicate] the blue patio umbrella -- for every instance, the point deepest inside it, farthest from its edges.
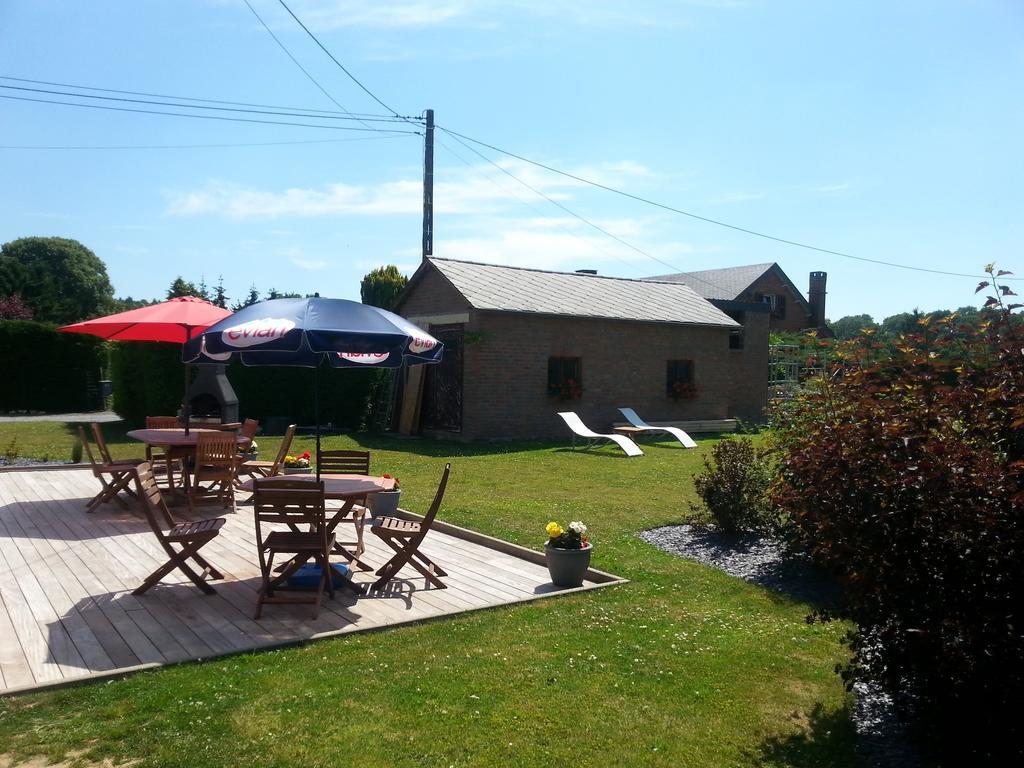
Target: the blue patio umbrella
(312, 332)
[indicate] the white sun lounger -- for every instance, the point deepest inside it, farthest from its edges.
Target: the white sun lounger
(639, 423)
(580, 429)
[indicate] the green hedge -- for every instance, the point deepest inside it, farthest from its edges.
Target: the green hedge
(42, 369)
(148, 380)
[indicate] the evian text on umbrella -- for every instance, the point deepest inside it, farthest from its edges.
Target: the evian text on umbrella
(256, 332)
(421, 344)
(365, 358)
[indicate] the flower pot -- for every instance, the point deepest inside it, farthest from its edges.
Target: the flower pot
(384, 503)
(296, 470)
(567, 566)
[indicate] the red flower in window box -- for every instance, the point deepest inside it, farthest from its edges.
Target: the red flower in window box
(682, 390)
(570, 389)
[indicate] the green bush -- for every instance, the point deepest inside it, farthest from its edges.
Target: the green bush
(735, 487)
(46, 370)
(903, 474)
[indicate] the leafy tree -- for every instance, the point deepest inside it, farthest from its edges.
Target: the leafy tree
(903, 474)
(182, 287)
(273, 293)
(850, 326)
(903, 323)
(14, 308)
(252, 298)
(382, 286)
(126, 303)
(60, 279)
(220, 296)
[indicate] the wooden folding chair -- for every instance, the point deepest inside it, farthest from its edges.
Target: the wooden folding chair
(346, 462)
(101, 445)
(120, 477)
(169, 456)
(188, 537)
(405, 537)
(249, 427)
(269, 468)
(297, 504)
(216, 462)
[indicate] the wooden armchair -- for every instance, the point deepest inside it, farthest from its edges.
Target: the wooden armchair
(297, 504)
(345, 462)
(101, 445)
(405, 537)
(256, 468)
(216, 464)
(181, 541)
(113, 478)
(169, 456)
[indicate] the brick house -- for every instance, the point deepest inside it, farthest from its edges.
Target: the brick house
(523, 344)
(767, 283)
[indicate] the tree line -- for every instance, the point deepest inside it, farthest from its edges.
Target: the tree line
(60, 281)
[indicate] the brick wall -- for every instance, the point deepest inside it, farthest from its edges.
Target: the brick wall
(505, 372)
(796, 317)
(432, 295)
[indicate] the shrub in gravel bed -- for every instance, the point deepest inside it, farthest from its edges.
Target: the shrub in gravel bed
(734, 487)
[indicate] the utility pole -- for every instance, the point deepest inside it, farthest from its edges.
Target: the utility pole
(428, 186)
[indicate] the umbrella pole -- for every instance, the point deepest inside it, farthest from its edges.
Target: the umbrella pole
(316, 413)
(186, 412)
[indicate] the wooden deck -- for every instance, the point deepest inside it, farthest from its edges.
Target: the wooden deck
(67, 612)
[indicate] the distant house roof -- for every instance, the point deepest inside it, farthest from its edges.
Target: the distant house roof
(514, 289)
(729, 283)
(725, 284)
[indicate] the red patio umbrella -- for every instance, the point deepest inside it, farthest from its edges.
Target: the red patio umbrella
(175, 320)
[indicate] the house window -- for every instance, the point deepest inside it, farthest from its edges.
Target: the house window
(736, 335)
(679, 383)
(565, 377)
(776, 301)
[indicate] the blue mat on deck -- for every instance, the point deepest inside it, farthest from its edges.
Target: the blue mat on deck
(308, 576)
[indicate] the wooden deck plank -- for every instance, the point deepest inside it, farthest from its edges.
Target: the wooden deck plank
(66, 608)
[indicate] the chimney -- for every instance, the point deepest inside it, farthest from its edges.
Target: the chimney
(816, 298)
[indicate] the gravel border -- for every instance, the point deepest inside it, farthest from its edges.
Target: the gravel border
(883, 738)
(22, 462)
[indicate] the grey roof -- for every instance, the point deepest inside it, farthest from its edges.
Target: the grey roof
(726, 283)
(514, 289)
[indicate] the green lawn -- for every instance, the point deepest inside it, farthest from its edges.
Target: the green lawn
(684, 666)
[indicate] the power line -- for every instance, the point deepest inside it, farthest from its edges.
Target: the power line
(716, 222)
(531, 205)
(183, 98)
(198, 146)
(563, 207)
(207, 117)
(124, 99)
(725, 293)
(295, 61)
(459, 137)
(352, 77)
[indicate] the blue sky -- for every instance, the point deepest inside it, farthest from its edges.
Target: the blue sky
(891, 131)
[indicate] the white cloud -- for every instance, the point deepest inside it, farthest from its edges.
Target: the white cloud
(845, 186)
(482, 189)
(326, 15)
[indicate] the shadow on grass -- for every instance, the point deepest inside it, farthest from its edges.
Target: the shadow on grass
(439, 448)
(826, 738)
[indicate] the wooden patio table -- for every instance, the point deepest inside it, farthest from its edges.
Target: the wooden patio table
(347, 488)
(176, 438)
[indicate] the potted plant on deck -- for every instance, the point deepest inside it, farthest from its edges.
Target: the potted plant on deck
(567, 552)
(295, 465)
(385, 503)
